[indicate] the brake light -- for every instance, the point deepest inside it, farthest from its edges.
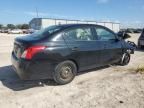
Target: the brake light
(31, 51)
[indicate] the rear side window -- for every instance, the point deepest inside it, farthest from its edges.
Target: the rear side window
(46, 32)
(79, 34)
(104, 34)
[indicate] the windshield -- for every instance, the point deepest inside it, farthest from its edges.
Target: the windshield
(46, 32)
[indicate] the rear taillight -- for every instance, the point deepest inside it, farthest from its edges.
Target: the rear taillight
(31, 51)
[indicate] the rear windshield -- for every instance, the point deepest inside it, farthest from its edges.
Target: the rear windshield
(46, 32)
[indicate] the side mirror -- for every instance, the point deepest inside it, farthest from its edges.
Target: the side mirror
(123, 35)
(126, 36)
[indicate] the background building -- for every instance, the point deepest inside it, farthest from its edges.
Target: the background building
(39, 23)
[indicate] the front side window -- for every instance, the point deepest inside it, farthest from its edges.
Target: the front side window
(104, 34)
(79, 34)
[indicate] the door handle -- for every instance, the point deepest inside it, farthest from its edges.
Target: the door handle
(75, 49)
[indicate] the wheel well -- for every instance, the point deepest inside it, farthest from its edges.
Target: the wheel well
(75, 63)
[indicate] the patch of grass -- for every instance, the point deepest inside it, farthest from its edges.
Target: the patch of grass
(140, 69)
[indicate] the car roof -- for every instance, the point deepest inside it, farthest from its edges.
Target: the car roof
(73, 25)
(65, 26)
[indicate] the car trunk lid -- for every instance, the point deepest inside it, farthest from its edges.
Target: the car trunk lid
(22, 43)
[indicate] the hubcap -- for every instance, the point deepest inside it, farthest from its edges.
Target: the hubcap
(66, 72)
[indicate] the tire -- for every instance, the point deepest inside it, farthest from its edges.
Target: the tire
(125, 59)
(65, 72)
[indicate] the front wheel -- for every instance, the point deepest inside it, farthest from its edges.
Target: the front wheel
(65, 72)
(125, 59)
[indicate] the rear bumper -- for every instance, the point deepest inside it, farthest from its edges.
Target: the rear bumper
(32, 70)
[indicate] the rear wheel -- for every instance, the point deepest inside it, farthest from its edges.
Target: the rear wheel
(125, 59)
(65, 72)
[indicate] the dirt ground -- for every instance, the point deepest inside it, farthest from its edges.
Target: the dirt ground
(106, 87)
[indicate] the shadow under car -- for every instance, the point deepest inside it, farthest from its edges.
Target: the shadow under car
(10, 79)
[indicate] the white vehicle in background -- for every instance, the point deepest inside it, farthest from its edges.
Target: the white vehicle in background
(15, 31)
(29, 31)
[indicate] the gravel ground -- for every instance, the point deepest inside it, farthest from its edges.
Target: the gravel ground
(106, 87)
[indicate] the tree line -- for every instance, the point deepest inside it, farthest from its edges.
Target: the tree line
(12, 26)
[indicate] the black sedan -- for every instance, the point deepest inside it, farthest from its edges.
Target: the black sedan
(141, 40)
(60, 52)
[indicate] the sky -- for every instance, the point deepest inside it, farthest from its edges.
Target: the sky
(130, 13)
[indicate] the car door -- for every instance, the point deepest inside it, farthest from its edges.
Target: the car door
(83, 46)
(112, 47)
